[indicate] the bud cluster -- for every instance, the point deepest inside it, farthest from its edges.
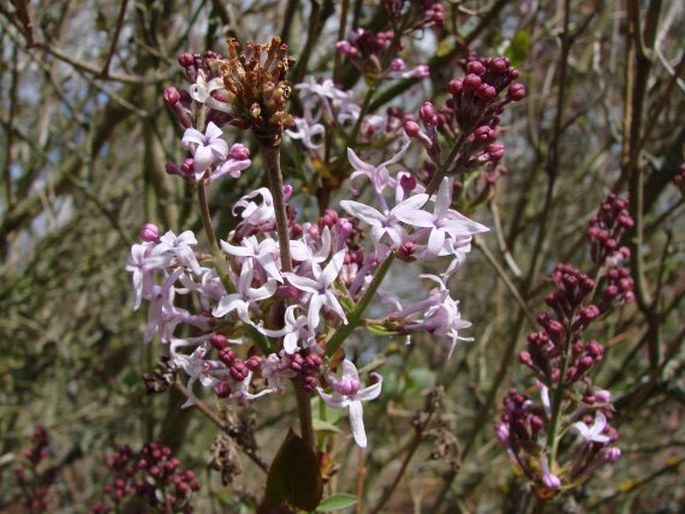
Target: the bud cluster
(561, 362)
(152, 475)
(469, 120)
(34, 478)
(607, 228)
(421, 13)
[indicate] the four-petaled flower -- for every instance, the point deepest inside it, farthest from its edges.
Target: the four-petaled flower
(592, 433)
(207, 148)
(349, 396)
(319, 287)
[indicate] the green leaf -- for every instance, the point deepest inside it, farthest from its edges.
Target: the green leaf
(294, 476)
(518, 48)
(324, 426)
(337, 501)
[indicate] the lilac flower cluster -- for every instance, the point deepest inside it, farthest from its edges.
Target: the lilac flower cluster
(263, 321)
(153, 476)
(34, 478)
(561, 362)
(326, 107)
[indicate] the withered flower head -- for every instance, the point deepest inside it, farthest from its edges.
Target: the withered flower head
(255, 78)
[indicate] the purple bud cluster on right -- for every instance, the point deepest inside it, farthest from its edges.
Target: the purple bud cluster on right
(562, 361)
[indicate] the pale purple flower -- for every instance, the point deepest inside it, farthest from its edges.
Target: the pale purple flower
(390, 222)
(378, 175)
(307, 130)
(264, 252)
(306, 251)
(194, 365)
(207, 149)
(445, 223)
(246, 296)
(235, 165)
(201, 91)
(320, 289)
(142, 264)
(544, 396)
(254, 214)
(592, 433)
(180, 247)
(296, 329)
(349, 396)
(276, 372)
(440, 315)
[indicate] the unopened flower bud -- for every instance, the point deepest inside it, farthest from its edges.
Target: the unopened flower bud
(516, 92)
(455, 86)
(476, 67)
(471, 82)
(218, 341)
(171, 96)
(186, 59)
(222, 389)
(239, 152)
(149, 233)
(427, 114)
(612, 454)
(411, 128)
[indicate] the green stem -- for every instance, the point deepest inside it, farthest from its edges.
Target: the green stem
(217, 257)
(556, 406)
(444, 167)
(354, 319)
(365, 108)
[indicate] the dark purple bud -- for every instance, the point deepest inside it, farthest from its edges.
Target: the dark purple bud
(594, 349)
(254, 362)
(499, 65)
(516, 92)
(171, 96)
(222, 389)
(525, 358)
(427, 114)
(411, 128)
(471, 82)
(496, 152)
(227, 356)
(186, 59)
(476, 67)
(310, 383)
(455, 86)
(218, 341)
(486, 92)
(584, 364)
(187, 166)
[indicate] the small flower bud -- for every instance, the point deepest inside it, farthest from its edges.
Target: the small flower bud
(149, 233)
(171, 96)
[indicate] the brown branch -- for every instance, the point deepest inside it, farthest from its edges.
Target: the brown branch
(115, 39)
